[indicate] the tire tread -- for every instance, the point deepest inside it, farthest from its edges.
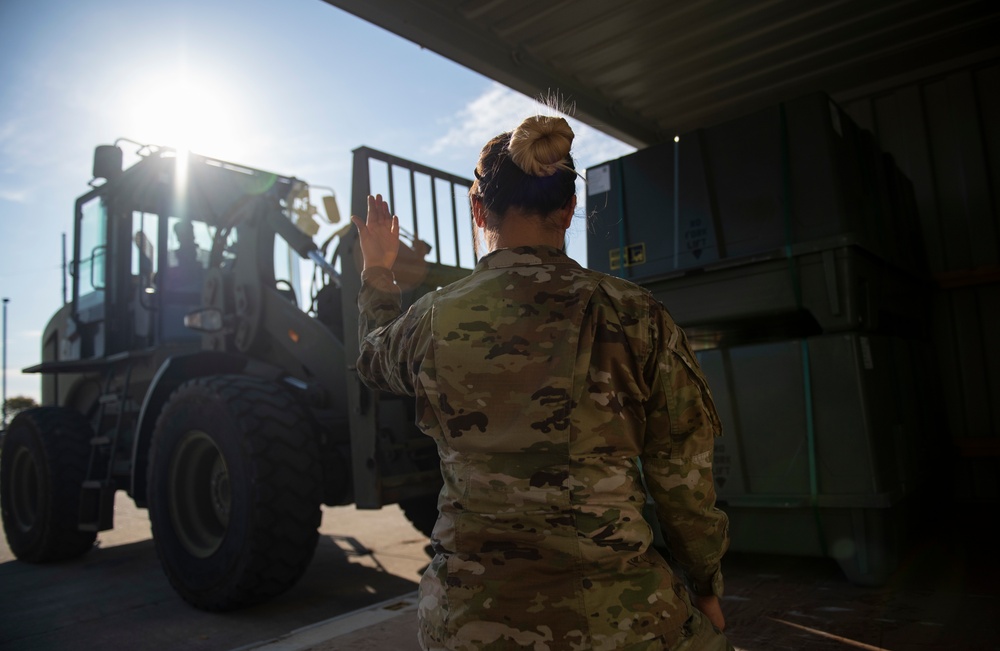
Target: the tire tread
(279, 442)
(64, 436)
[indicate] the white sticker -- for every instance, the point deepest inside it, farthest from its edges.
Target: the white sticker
(866, 354)
(598, 180)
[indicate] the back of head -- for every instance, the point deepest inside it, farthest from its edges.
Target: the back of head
(529, 168)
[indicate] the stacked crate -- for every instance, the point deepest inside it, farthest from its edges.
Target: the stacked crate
(784, 242)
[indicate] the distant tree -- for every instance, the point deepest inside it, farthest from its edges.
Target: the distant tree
(16, 404)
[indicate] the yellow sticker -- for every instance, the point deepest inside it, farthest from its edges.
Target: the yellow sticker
(635, 254)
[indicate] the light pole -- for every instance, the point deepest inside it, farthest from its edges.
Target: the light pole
(5, 301)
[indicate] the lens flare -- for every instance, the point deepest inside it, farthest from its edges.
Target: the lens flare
(184, 111)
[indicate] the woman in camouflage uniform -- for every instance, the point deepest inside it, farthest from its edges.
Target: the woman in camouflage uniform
(547, 387)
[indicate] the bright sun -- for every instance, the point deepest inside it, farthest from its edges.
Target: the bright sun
(184, 111)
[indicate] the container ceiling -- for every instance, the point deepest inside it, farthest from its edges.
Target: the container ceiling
(644, 70)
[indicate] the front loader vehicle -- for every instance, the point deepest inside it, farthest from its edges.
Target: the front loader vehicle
(192, 370)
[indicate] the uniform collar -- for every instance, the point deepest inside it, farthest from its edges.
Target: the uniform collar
(524, 256)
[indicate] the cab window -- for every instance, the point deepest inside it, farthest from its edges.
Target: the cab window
(92, 254)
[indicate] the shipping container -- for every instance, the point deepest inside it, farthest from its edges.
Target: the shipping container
(942, 131)
(759, 184)
(827, 444)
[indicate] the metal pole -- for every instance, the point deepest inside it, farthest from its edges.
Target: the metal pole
(5, 301)
(64, 267)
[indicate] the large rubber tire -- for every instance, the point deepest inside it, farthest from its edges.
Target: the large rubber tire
(235, 487)
(42, 468)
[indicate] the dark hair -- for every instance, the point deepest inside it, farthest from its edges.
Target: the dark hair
(529, 168)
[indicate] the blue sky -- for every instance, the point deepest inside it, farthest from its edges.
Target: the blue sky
(289, 86)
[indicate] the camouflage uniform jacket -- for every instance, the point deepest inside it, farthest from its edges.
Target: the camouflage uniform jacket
(542, 383)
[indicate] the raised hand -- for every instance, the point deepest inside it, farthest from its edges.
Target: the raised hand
(379, 235)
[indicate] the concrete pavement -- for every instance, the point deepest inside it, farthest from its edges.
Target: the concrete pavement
(116, 596)
(359, 595)
(390, 625)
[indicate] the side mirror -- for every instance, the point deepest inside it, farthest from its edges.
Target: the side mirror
(107, 162)
(206, 319)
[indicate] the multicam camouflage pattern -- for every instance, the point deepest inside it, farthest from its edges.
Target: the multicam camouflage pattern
(544, 385)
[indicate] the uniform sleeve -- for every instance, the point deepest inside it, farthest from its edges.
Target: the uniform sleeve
(390, 341)
(682, 424)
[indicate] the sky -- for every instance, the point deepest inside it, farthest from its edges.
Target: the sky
(288, 86)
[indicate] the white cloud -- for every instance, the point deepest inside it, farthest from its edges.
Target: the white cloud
(497, 110)
(501, 109)
(14, 196)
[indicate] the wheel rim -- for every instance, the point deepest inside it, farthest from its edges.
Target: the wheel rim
(199, 494)
(26, 487)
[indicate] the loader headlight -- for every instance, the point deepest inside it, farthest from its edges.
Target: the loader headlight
(207, 319)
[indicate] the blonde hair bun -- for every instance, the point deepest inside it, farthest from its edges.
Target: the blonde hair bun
(541, 144)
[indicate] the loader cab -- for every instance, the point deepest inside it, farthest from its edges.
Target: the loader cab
(140, 259)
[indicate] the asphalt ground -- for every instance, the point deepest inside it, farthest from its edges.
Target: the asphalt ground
(117, 597)
(359, 594)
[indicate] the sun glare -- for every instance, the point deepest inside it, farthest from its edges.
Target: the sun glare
(184, 112)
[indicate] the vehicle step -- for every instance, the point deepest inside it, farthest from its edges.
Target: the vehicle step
(97, 506)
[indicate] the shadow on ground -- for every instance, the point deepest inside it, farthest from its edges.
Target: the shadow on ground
(118, 597)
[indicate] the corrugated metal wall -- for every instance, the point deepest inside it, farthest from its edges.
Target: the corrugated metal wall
(944, 132)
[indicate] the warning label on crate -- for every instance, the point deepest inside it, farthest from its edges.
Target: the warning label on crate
(598, 180)
(696, 236)
(634, 254)
(866, 353)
